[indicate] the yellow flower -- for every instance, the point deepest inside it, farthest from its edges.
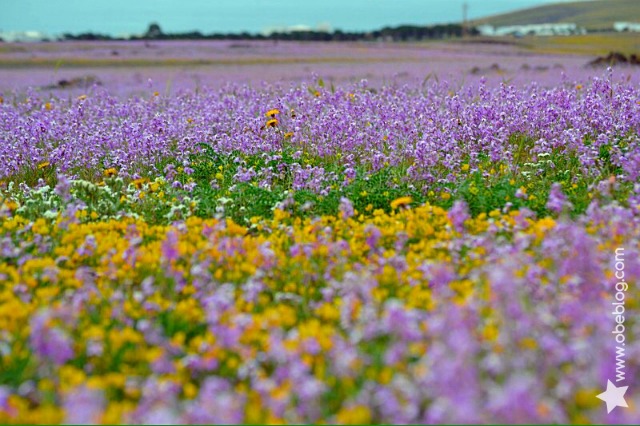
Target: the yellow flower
(190, 390)
(139, 183)
(110, 172)
(82, 97)
(402, 201)
(359, 414)
(272, 113)
(490, 332)
(43, 165)
(288, 135)
(272, 123)
(528, 343)
(47, 106)
(585, 398)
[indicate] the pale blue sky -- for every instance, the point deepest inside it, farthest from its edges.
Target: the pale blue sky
(118, 17)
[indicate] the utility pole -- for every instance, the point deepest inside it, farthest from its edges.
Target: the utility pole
(465, 8)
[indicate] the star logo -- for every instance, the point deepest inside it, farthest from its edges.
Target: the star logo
(613, 396)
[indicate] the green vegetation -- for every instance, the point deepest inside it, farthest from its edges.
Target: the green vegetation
(214, 188)
(596, 44)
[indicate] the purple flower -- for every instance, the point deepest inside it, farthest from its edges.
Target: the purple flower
(83, 406)
(49, 342)
(373, 236)
(346, 208)
(558, 200)
(458, 214)
(170, 247)
(521, 194)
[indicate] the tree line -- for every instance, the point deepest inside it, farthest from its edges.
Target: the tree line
(400, 33)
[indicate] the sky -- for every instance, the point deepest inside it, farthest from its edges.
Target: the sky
(126, 17)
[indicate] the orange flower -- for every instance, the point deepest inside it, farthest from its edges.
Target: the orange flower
(272, 113)
(402, 201)
(139, 183)
(272, 123)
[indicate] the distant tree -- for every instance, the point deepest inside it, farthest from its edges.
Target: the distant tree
(86, 37)
(154, 31)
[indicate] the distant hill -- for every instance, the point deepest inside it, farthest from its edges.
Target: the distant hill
(593, 15)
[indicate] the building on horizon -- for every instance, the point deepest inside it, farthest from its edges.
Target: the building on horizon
(23, 36)
(626, 26)
(530, 29)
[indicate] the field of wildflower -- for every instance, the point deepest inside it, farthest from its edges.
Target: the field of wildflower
(311, 252)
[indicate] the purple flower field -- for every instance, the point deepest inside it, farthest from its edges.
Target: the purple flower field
(341, 233)
(126, 68)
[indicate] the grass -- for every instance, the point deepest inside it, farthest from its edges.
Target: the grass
(595, 44)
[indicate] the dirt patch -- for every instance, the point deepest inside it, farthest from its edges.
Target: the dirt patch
(615, 58)
(83, 82)
(493, 69)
